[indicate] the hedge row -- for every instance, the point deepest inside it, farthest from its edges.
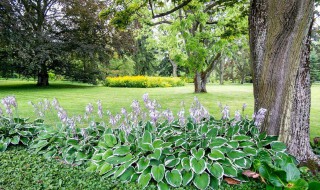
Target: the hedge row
(143, 82)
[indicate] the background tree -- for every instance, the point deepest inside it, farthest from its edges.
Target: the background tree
(280, 47)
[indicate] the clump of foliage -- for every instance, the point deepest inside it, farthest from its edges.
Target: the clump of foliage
(14, 130)
(143, 81)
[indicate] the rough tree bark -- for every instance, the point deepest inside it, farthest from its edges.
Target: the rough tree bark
(278, 31)
(298, 136)
(43, 76)
(174, 68)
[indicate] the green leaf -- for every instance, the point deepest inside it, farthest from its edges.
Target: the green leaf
(163, 186)
(185, 162)
(250, 151)
(110, 140)
(158, 172)
(107, 154)
(216, 155)
(147, 137)
(174, 178)
(198, 166)
(292, 171)
(241, 138)
(127, 175)
(15, 140)
(142, 164)
(121, 151)
(3, 146)
(25, 140)
(120, 171)
(241, 163)
(236, 154)
(157, 143)
(217, 142)
(214, 183)
(115, 160)
(187, 177)
(314, 185)
(198, 154)
(105, 168)
(298, 185)
(156, 154)
(146, 146)
(230, 171)
(180, 142)
(201, 181)
(246, 143)
(171, 161)
(144, 180)
(233, 144)
(278, 146)
(216, 170)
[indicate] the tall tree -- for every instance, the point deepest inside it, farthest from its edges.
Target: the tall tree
(279, 46)
(203, 25)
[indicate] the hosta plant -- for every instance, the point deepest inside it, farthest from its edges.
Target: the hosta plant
(199, 151)
(15, 130)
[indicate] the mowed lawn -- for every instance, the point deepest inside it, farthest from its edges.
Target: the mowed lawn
(75, 96)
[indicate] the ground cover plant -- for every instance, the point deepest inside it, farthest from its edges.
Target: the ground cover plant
(143, 81)
(152, 148)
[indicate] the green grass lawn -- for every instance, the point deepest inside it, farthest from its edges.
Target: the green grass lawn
(75, 96)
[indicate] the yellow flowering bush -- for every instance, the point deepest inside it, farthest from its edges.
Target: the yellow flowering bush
(143, 81)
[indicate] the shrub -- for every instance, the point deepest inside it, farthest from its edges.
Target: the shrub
(143, 81)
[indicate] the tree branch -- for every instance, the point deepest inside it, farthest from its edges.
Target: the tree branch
(184, 3)
(210, 6)
(150, 4)
(160, 22)
(210, 68)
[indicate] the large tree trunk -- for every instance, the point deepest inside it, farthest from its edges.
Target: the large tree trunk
(43, 76)
(298, 139)
(197, 82)
(278, 30)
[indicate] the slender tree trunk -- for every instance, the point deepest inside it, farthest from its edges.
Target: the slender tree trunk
(197, 82)
(221, 68)
(43, 76)
(174, 68)
(278, 33)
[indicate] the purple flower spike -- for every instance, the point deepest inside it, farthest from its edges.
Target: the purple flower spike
(89, 108)
(225, 112)
(259, 117)
(145, 97)
(100, 112)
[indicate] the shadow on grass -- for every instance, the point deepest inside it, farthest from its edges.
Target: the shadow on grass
(53, 86)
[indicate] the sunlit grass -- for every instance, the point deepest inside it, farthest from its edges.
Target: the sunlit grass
(75, 96)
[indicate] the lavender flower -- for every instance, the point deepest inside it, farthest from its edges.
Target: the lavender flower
(62, 115)
(182, 119)
(154, 115)
(124, 111)
(168, 115)
(237, 116)
(244, 106)
(136, 107)
(198, 112)
(8, 102)
(259, 117)
(89, 109)
(225, 112)
(145, 97)
(100, 112)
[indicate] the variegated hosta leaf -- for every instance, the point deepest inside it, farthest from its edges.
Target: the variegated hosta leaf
(215, 182)
(162, 186)
(147, 137)
(156, 154)
(157, 143)
(278, 146)
(240, 163)
(215, 170)
(241, 138)
(217, 142)
(186, 164)
(115, 160)
(201, 181)
(127, 175)
(146, 146)
(250, 151)
(236, 154)
(216, 155)
(230, 171)
(105, 168)
(198, 154)
(171, 161)
(144, 180)
(158, 172)
(121, 151)
(142, 164)
(233, 144)
(198, 166)
(107, 154)
(180, 142)
(187, 177)
(174, 178)
(110, 140)
(120, 171)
